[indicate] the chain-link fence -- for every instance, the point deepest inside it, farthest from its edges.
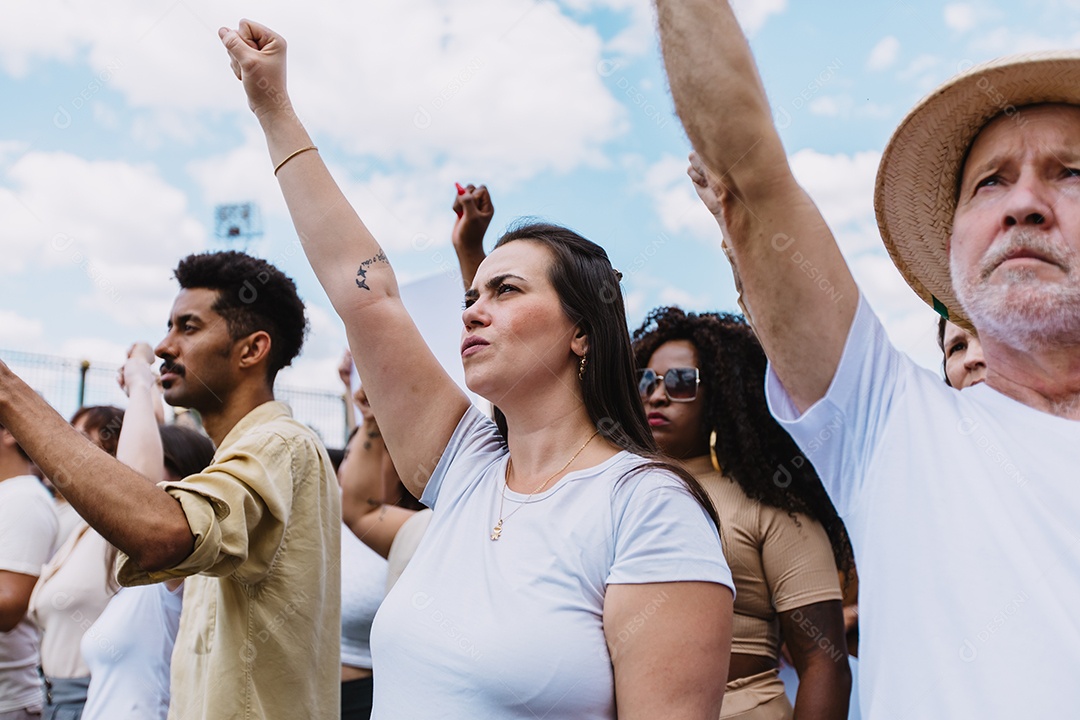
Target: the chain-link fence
(68, 384)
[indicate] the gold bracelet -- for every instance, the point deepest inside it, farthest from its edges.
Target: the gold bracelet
(292, 155)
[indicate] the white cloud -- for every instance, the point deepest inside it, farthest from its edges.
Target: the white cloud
(884, 54)
(506, 85)
(960, 16)
(105, 354)
(671, 295)
(120, 224)
(637, 36)
(21, 332)
(677, 204)
(753, 14)
(243, 174)
(841, 185)
(919, 65)
(1007, 40)
(910, 323)
(829, 106)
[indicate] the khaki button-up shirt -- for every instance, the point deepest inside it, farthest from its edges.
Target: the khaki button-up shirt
(260, 629)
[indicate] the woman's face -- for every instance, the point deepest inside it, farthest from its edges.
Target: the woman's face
(964, 364)
(517, 342)
(678, 427)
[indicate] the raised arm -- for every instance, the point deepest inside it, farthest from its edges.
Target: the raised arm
(474, 212)
(126, 508)
(364, 506)
(797, 287)
(139, 446)
(417, 403)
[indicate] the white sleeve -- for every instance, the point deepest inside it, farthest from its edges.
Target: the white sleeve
(840, 432)
(662, 534)
(475, 444)
(27, 532)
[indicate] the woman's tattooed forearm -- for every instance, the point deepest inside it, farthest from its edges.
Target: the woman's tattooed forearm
(361, 274)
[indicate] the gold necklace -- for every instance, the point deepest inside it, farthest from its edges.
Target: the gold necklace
(496, 532)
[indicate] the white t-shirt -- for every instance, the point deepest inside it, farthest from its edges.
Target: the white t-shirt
(68, 518)
(514, 629)
(363, 584)
(964, 513)
(404, 545)
(128, 651)
(27, 535)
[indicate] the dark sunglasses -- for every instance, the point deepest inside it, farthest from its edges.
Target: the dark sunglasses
(680, 384)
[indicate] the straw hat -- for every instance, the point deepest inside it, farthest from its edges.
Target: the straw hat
(917, 180)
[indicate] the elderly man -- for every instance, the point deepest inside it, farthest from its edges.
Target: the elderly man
(963, 508)
(257, 531)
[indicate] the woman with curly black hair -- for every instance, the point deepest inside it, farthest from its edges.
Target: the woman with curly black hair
(702, 382)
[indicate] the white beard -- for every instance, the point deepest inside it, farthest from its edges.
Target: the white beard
(1020, 310)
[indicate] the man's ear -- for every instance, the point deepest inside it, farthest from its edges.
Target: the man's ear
(254, 349)
(580, 344)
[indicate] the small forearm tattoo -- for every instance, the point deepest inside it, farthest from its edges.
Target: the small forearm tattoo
(361, 273)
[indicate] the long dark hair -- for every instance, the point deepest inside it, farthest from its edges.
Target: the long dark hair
(751, 447)
(187, 451)
(588, 289)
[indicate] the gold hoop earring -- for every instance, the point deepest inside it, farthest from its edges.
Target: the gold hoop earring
(581, 367)
(712, 452)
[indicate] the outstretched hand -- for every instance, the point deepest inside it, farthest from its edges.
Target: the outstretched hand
(474, 210)
(257, 57)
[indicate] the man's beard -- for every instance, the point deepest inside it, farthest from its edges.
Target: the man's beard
(1021, 310)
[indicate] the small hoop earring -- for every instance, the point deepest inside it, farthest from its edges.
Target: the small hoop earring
(712, 452)
(581, 367)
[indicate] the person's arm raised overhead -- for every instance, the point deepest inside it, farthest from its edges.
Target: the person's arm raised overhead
(795, 281)
(139, 446)
(474, 212)
(364, 506)
(417, 403)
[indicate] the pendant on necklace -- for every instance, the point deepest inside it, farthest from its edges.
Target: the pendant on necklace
(496, 531)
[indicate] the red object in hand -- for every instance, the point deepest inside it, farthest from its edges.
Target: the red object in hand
(460, 191)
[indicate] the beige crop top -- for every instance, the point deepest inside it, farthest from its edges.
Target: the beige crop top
(777, 564)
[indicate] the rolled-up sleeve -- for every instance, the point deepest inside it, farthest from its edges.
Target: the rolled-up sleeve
(237, 510)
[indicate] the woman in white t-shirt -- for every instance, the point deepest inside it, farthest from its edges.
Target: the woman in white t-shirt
(564, 572)
(128, 648)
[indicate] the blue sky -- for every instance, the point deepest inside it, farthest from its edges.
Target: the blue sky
(124, 128)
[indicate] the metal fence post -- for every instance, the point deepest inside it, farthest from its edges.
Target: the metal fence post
(84, 367)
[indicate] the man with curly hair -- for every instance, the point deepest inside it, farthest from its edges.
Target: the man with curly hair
(256, 533)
